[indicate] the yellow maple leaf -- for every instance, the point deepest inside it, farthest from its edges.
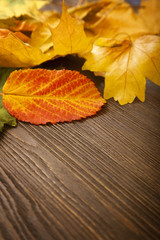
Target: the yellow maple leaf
(69, 36)
(89, 10)
(42, 36)
(16, 53)
(150, 14)
(118, 17)
(126, 65)
(10, 8)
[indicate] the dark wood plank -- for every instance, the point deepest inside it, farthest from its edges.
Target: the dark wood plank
(92, 179)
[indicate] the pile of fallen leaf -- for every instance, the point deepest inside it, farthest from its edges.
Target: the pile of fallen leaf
(118, 42)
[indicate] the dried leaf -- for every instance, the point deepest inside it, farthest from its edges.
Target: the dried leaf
(69, 36)
(125, 55)
(150, 14)
(115, 19)
(15, 53)
(10, 8)
(24, 25)
(126, 64)
(39, 96)
(5, 117)
(5, 32)
(88, 10)
(42, 36)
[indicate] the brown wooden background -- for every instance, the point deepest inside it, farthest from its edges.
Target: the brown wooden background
(98, 178)
(92, 179)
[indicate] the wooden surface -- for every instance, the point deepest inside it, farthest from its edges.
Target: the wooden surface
(92, 179)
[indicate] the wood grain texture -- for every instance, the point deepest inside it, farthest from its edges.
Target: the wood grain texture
(95, 179)
(92, 179)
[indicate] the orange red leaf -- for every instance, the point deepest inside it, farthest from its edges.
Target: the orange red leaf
(39, 96)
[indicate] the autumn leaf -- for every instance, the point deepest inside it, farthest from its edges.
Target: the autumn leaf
(24, 38)
(150, 14)
(69, 36)
(88, 13)
(126, 55)
(16, 53)
(5, 32)
(125, 65)
(24, 25)
(116, 18)
(10, 8)
(88, 10)
(39, 96)
(42, 36)
(5, 117)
